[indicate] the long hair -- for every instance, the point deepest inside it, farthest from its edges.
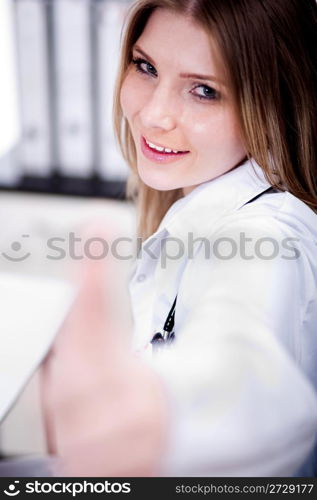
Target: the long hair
(269, 51)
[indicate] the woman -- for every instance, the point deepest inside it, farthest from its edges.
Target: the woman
(215, 111)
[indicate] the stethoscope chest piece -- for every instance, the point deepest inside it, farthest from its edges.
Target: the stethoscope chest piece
(160, 339)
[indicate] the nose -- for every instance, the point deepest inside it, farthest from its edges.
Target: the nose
(160, 109)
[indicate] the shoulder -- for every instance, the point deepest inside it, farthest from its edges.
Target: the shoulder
(289, 212)
(280, 232)
(278, 214)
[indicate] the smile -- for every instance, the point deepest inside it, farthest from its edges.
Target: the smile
(162, 149)
(160, 153)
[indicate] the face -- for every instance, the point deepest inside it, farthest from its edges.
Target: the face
(178, 106)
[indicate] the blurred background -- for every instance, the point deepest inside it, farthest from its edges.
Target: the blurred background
(60, 167)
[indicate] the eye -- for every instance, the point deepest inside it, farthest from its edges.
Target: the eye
(144, 66)
(207, 94)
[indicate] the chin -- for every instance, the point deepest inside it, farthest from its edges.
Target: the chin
(160, 187)
(160, 182)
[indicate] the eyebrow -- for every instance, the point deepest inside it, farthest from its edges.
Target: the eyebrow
(182, 75)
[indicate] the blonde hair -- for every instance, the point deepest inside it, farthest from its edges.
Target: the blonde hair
(269, 50)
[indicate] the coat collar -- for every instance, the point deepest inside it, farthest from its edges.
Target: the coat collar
(198, 211)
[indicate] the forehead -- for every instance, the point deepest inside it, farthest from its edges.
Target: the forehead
(177, 40)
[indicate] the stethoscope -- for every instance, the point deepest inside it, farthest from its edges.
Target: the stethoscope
(167, 336)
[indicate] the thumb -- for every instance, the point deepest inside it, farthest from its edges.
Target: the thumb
(94, 327)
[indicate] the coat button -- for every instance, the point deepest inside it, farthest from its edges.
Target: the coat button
(141, 278)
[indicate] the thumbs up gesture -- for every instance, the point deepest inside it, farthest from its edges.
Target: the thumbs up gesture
(105, 409)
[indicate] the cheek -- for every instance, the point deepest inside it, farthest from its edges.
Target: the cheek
(218, 131)
(125, 101)
(132, 96)
(235, 140)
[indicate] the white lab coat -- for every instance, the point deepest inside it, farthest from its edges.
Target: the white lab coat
(241, 375)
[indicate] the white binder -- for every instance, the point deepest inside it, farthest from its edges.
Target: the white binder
(111, 19)
(9, 117)
(73, 85)
(35, 152)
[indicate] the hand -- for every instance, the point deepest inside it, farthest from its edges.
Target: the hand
(105, 408)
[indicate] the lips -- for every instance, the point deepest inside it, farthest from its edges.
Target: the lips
(160, 156)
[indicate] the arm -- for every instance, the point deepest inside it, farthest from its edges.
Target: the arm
(240, 404)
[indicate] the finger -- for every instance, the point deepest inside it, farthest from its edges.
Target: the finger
(101, 270)
(93, 329)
